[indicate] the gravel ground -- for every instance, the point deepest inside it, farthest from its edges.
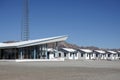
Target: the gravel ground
(68, 70)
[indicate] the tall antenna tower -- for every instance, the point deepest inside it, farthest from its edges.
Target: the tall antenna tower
(25, 21)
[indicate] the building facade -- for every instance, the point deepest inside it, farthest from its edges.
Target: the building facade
(31, 49)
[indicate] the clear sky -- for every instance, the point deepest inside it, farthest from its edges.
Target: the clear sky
(86, 22)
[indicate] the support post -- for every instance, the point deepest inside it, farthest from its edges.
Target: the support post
(34, 52)
(56, 47)
(0, 54)
(15, 52)
(21, 53)
(46, 50)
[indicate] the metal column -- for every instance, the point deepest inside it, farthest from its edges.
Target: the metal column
(56, 48)
(21, 53)
(34, 52)
(46, 50)
(0, 54)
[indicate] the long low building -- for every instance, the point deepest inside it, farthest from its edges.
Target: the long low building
(31, 49)
(87, 54)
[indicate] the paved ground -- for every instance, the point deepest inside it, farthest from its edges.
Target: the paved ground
(68, 70)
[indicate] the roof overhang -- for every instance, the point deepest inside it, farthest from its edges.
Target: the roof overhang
(69, 50)
(86, 50)
(112, 52)
(100, 51)
(33, 42)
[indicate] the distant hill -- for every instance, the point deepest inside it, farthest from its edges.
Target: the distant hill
(69, 45)
(74, 46)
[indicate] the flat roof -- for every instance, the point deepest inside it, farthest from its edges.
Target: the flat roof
(113, 52)
(69, 49)
(100, 51)
(33, 42)
(86, 50)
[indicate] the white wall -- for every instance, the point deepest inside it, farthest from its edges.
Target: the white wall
(62, 54)
(51, 56)
(87, 55)
(117, 57)
(103, 56)
(73, 56)
(67, 55)
(111, 56)
(76, 56)
(114, 56)
(70, 57)
(81, 56)
(93, 56)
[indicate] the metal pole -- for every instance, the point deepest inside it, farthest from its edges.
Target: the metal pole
(34, 52)
(21, 53)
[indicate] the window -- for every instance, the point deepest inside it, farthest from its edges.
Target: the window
(108, 55)
(96, 55)
(59, 54)
(81, 54)
(118, 55)
(54, 54)
(70, 54)
(65, 54)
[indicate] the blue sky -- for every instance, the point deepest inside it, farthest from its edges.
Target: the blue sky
(86, 22)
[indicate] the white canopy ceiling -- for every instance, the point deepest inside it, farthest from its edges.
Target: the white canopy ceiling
(33, 42)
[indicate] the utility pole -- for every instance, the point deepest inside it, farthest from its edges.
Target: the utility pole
(25, 21)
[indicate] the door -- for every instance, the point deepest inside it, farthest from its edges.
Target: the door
(48, 54)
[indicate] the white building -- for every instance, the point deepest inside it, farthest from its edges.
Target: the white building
(70, 53)
(85, 54)
(100, 54)
(112, 55)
